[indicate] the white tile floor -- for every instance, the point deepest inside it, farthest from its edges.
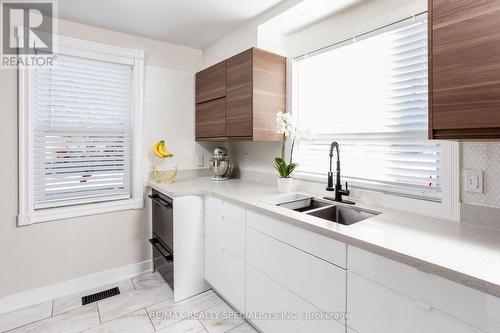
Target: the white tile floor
(145, 305)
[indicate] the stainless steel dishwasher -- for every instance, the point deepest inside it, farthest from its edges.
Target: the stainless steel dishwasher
(163, 236)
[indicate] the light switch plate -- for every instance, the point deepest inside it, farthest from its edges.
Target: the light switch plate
(474, 181)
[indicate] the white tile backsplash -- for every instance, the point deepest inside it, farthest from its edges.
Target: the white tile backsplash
(482, 156)
(169, 114)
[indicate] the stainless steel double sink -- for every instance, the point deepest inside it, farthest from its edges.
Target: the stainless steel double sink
(324, 209)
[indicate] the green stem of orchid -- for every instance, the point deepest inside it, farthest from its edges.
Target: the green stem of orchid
(283, 140)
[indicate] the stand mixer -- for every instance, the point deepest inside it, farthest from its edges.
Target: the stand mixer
(220, 165)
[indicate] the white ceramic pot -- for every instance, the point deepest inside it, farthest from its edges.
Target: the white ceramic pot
(285, 185)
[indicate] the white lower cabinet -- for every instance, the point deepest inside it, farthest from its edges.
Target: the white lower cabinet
(226, 273)
(458, 301)
(315, 280)
(373, 308)
(319, 246)
(226, 232)
(290, 280)
(274, 309)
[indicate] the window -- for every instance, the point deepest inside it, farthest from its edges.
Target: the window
(80, 127)
(370, 95)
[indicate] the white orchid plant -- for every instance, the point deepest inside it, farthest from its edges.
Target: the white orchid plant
(286, 126)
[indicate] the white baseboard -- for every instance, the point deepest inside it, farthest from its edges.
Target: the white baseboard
(39, 295)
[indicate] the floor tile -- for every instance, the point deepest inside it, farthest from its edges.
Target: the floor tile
(189, 325)
(169, 312)
(136, 322)
(120, 305)
(148, 280)
(220, 318)
(74, 301)
(243, 328)
(68, 322)
(25, 316)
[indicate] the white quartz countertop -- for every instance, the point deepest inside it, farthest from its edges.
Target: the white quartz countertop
(463, 253)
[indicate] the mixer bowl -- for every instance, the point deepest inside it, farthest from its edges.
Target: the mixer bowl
(219, 168)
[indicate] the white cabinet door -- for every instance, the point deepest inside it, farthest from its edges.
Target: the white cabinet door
(320, 246)
(226, 232)
(235, 213)
(226, 273)
(274, 309)
(317, 281)
(471, 306)
(213, 204)
(373, 308)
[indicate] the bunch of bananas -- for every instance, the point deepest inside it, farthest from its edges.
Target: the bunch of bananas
(160, 150)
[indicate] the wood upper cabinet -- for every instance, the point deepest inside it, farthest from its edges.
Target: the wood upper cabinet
(464, 72)
(254, 90)
(211, 119)
(211, 83)
(239, 95)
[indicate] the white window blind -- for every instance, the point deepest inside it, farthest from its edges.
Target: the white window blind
(371, 96)
(82, 125)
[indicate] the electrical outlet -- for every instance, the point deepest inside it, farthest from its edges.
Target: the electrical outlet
(200, 159)
(474, 181)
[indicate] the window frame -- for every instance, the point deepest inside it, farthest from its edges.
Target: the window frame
(97, 51)
(448, 208)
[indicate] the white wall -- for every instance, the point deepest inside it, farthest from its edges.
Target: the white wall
(169, 115)
(357, 19)
(160, 54)
(52, 252)
(242, 38)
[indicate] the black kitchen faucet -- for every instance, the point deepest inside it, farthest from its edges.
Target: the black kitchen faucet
(339, 191)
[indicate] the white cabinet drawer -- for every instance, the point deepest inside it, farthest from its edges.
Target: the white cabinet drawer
(323, 247)
(226, 232)
(374, 308)
(226, 209)
(233, 212)
(317, 281)
(213, 204)
(264, 297)
(226, 273)
(470, 305)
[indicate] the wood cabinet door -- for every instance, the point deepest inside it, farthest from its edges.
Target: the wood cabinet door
(210, 119)
(239, 95)
(269, 93)
(211, 83)
(465, 69)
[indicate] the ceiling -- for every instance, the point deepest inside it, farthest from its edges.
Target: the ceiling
(193, 23)
(305, 13)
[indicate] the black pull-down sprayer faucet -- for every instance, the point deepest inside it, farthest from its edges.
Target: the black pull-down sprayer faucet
(339, 191)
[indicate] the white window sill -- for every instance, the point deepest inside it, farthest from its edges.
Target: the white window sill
(60, 213)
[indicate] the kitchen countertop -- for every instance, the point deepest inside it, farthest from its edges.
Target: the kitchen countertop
(467, 254)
